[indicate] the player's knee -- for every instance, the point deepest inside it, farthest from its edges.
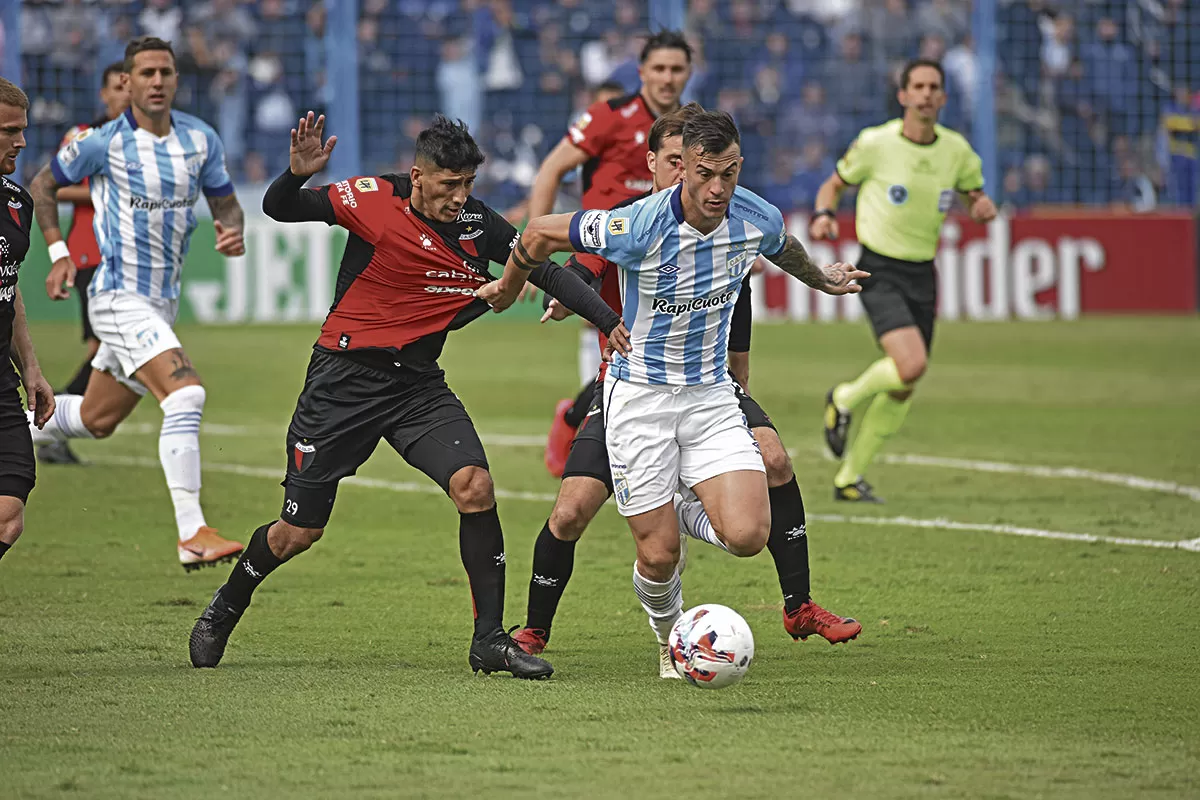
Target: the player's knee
(100, 425)
(472, 491)
(568, 521)
(287, 540)
(11, 527)
(911, 369)
(747, 537)
(657, 561)
(777, 462)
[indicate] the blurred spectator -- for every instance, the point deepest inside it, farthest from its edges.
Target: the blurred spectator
(1179, 147)
(1112, 71)
(893, 32)
(856, 88)
(1058, 45)
(962, 70)
(162, 19)
(458, 84)
(944, 18)
(598, 59)
(495, 39)
(811, 118)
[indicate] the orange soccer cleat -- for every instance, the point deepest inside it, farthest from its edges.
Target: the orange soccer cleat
(810, 618)
(206, 549)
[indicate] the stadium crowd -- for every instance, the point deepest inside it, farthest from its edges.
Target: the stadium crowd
(1097, 101)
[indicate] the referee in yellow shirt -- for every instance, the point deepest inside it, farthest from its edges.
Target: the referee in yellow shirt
(908, 172)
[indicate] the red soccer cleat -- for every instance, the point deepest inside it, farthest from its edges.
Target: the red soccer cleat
(810, 618)
(558, 443)
(531, 640)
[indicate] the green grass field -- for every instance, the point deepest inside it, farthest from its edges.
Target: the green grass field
(990, 665)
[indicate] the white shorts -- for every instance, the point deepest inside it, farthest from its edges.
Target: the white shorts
(661, 437)
(132, 330)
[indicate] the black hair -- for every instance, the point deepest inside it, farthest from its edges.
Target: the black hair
(144, 44)
(918, 63)
(610, 86)
(666, 40)
(449, 146)
(115, 68)
(712, 131)
(671, 124)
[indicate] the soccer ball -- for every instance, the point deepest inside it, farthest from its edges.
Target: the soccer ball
(712, 646)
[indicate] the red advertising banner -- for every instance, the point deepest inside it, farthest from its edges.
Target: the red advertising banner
(1027, 267)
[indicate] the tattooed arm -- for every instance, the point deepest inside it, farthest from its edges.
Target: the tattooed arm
(44, 190)
(836, 279)
(229, 220)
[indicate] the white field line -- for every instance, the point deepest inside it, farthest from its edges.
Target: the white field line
(274, 473)
(1036, 470)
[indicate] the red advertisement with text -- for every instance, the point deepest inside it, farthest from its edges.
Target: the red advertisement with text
(1027, 267)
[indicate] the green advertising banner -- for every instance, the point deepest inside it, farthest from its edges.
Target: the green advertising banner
(287, 275)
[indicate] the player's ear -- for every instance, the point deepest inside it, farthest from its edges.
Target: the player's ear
(650, 160)
(414, 175)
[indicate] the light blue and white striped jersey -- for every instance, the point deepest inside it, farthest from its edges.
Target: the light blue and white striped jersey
(144, 190)
(678, 286)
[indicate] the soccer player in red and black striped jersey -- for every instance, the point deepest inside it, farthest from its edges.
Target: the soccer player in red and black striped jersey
(610, 142)
(418, 249)
(81, 240)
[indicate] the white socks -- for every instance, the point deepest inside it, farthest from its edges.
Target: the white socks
(694, 522)
(663, 602)
(65, 424)
(179, 453)
(589, 354)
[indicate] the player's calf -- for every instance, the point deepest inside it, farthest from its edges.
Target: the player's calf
(775, 456)
(12, 522)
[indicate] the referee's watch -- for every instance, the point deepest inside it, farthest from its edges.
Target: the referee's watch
(823, 212)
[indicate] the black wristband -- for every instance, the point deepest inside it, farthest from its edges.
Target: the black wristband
(823, 212)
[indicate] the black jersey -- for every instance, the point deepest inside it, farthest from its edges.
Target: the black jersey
(14, 244)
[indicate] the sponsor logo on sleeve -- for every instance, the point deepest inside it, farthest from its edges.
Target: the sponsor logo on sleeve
(68, 153)
(618, 226)
(366, 185)
(346, 194)
(945, 200)
(591, 229)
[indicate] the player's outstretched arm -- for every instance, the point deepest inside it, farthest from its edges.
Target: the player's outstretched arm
(836, 279)
(286, 199)
(575, 294)
(37, 389)
(44, 191)
(561, 160)
(542, 238)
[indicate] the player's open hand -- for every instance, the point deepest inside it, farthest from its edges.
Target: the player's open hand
(40, 395)
(823, 227)
(61, 279)
(309, 154)
(840, 279)
(983, 210)
(618, 342)
(556, 311)
(229, 240)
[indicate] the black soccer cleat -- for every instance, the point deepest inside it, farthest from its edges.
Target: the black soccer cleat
(837, 426)
(57, 453)
(211, 632)
(497, 652)
(858, 492)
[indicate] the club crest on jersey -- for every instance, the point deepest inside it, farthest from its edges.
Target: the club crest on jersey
(897, 194)
(304, 455)
(366, 185)
(735, 263)
(14, 204)
(471, 233)
(621, 488)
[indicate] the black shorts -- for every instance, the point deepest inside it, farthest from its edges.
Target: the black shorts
(899, 294)
(18, 471)
(83, 279)
(344, 410)
(589, 453)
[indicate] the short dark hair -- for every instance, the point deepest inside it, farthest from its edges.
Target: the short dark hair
(448, 145)
(610, 86)
(115, 68)
(144, 44)
(712, 131)
(671, 124)
(666, 40)
(917, 63)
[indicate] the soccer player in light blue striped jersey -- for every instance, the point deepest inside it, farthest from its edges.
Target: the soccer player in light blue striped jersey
(147, 168)
(672, 417)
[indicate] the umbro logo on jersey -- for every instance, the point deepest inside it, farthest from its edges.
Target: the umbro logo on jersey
(668, 269)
